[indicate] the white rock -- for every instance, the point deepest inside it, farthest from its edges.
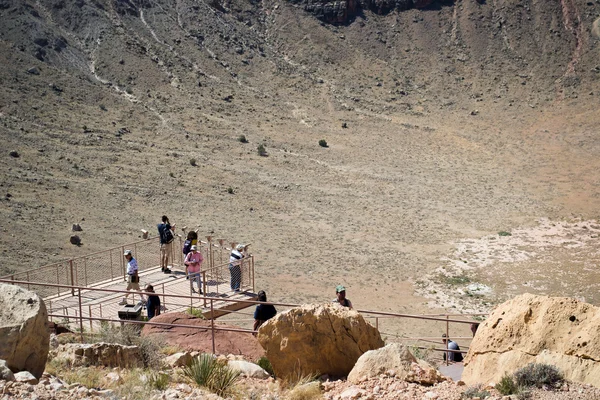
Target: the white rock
(248, 369)
(25, 376)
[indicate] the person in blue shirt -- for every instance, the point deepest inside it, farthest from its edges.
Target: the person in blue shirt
(263, 312)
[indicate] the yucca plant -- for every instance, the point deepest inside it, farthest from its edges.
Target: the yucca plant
(206, 371)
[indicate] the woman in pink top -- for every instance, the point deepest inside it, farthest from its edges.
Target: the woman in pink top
(193, 260)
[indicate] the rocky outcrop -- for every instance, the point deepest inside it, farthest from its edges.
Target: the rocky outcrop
(317, 338)
(25, 338)
(560, 331)
(199, 338)
(343, 11)
(396, 358)
(100, 354)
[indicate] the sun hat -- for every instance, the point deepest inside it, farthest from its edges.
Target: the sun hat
(340, 288)
(239, 247)
(194, 247)
(127, 253)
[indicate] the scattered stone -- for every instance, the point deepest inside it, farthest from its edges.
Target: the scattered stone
(15, 154)
(179, 360)
(33, 71)
(76, 228)
(5, 372)
(27, 377)
(76, 240)
(344, 125)
(248, 369)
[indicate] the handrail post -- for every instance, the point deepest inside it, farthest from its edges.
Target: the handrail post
(447, 340)
(204, 286)
(210, 251)
(252, 266)
(212, 326)
(80, 315)
(124, 273)
(72, 277)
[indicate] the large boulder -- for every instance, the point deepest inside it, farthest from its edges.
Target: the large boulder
(25, 338)
(394, 357)
(100, 354)
(317, 338)
(560, 331)
(199, 336)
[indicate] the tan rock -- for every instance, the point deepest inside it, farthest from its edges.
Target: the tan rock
(100, 354)
(179, 359)
(317, 338)
(560, 331)
(395, 360)
(25, 338)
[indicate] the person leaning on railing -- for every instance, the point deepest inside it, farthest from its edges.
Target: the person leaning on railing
(235, 269)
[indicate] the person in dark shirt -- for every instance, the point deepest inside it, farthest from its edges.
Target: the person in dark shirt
(263, 312)
(153, 304)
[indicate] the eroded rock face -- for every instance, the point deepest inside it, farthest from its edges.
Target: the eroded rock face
(25, 340)
(317, 338)
(394, 357)
(100, 354)
(554, 330)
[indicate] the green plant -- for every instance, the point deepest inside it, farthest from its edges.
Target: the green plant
(261, 150)
(103, 107)
(242, 139)
(265, 364)
(212, 374)
(455, 280)
(535, 374)
(193, 162)
(504, 233)
(230, 190)
(195, 312)
(323, 143)
(420, 353)
(507, 386)
(158, 380)
(475, 391)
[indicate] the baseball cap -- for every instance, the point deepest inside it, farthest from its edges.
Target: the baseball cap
(193, 247)
(239, 247)
(127, 253)
(340, 288)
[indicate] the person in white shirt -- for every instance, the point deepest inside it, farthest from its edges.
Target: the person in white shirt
(133, 279)
(235, 269)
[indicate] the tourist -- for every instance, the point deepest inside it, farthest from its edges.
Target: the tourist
(193, 263)
(133, 279)
(341, 299)
(153, 304)
(263, 312)
(165, 230)
(474, 327)
(191, 240)
(235, 269)
(451, 345)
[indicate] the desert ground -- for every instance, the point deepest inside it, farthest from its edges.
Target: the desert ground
(462, 163)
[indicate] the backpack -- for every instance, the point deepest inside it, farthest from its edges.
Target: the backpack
(187, 246)
(166, 236)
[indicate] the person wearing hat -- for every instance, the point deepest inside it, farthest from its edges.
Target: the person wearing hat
(341, 299)
(193, 262)
(235, 269)
(133, 279)
(451, 345)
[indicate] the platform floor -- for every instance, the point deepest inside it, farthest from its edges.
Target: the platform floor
(98, 304)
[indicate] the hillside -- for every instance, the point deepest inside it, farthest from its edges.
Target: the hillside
(462, 119)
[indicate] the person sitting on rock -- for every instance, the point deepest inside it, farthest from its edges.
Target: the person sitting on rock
(451, 345)
(263, 312)
(341, 299)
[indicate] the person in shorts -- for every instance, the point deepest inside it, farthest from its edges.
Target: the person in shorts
(165, 231)
(133, 279)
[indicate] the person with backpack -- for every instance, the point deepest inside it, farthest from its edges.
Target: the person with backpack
(191, 240)
(165, 230)
(451, 345)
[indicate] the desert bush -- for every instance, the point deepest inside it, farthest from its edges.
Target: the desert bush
(507, 385)
(261, 150)
(323, 143)
(193, 162)
(230, 190)
(242, 139)
(538, 375)
(265, 364)
(475, 391)
(504, 233)
(195, 312)
(422, 354)
(212, 374)
(158, 380)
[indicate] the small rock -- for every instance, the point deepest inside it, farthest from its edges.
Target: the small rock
(33, 71)
(5, 372)
(431, 395)
(76, 240)
(76, 228)
(15, 154)
(27, 377)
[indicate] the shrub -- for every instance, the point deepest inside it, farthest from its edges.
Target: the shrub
(475, 391)
(323, 143)
(265, 364)
(193, 162)
(242, 139)
(103, 107)
(195, 312)
(261, 150)
(507, 386)
(212, 374)
(158, 380)
(230, 190)
(537, 375)
(422, 354)
(504, 233)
